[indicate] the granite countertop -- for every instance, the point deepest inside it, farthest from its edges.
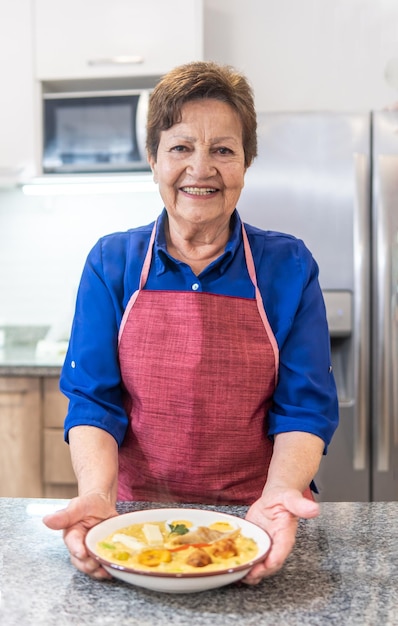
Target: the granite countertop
(343, 571)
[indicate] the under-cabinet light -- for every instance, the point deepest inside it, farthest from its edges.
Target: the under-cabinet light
(77, 185)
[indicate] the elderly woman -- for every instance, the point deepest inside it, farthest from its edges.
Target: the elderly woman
(198, 368)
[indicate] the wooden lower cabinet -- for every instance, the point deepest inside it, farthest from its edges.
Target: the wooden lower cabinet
(20, 438)
(34, 459)
(59, 480)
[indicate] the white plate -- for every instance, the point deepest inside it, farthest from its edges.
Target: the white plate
(177, 583)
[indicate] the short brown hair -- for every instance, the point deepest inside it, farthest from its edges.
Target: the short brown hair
(194, 81)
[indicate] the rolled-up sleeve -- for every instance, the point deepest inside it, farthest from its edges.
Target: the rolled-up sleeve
(305, 398)
(90, 377)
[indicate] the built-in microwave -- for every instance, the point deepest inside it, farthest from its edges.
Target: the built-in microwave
(97, 131)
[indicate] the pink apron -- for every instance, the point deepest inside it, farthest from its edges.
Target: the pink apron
(199, 372)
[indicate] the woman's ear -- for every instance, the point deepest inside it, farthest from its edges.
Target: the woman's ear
(152, 164)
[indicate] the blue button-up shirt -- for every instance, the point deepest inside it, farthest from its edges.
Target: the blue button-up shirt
(305, 398)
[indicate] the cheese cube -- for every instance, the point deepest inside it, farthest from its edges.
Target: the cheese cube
(152, 534)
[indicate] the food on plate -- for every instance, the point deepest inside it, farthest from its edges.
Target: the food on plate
(225, 548)
(153, 558)
(199, 558)
(178, 546)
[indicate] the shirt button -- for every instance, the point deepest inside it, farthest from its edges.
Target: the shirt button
(73, 364)
(195, 286)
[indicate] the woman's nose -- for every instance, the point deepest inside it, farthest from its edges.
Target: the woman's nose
(201, 163)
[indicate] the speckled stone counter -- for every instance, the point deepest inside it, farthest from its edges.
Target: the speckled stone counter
(343, 571)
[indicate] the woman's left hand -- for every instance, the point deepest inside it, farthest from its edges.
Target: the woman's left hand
(278, 512)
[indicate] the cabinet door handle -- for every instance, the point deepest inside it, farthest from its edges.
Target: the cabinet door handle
(118, 60)
(346, 404)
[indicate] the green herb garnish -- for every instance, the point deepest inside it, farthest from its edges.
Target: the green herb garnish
(178, 529)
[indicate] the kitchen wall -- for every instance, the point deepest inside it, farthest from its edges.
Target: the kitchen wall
(44, 242)
(298, 54)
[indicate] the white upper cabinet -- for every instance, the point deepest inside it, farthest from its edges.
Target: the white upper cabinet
(77, 39)
(17, 119)
(308, 55)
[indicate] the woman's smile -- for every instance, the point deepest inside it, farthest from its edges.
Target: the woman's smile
(199, 191)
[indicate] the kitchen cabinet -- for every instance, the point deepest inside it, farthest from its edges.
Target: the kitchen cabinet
(17, 120)
(34, 459)
(59, 480)
(113, 38)
(20, 437)
(308, 55)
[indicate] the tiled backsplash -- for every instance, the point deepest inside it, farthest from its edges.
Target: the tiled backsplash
(44, 242)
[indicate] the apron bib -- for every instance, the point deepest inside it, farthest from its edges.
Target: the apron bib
(199, 371)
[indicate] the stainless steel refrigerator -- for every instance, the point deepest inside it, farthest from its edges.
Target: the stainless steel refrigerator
(331, 179)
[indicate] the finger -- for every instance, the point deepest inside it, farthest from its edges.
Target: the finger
(300, 506)
(74, 541)
(271, 565)
(256, 574)
(57, 521)
(263, 570)
(91, 567)
(80, 557)
(101, 574)
(282, 544)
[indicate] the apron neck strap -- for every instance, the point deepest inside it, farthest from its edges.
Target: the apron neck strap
(249, 258)
(148, 259)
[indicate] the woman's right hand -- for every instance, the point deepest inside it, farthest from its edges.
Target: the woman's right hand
(81, 514)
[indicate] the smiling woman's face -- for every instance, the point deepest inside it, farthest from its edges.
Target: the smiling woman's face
(200, 164)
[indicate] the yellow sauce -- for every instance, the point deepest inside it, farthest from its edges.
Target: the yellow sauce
(120, 554)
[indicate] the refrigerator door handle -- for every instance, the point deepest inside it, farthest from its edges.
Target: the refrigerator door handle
(386, 392)
(394, 338)
(361, 311)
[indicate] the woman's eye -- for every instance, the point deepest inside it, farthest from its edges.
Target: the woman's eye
(178, 148)
(224, 150)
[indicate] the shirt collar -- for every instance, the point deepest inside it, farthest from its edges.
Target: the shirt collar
(163, 259)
